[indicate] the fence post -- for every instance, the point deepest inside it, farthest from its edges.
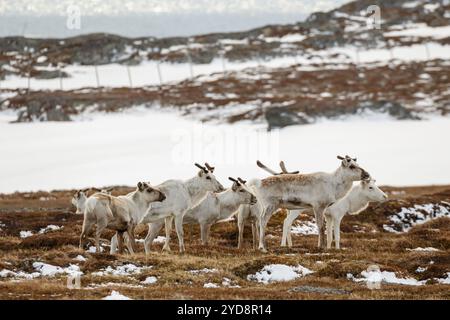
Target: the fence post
(191, 70)
(427, 50)
(159, 73)
(29, 77)
(129, 76)
(96, 76)
(60, 79)
(357, 56)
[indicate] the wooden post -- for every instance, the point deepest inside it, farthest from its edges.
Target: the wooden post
(96, 76)
(129, 76)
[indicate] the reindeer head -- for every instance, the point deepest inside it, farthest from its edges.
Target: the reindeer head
(149, 193)
(242, 191)
(79, 200)
(352, 170)
(206, 179)
(372, 192)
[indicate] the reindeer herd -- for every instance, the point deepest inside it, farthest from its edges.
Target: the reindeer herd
(203, 200)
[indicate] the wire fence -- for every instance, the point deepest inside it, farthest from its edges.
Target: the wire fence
(159, 73)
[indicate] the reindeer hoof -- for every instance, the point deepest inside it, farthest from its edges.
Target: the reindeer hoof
(263, 250)
(166, 249)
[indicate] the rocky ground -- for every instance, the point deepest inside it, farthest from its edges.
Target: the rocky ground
(408, 237)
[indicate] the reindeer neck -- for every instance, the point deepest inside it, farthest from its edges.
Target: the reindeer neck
(357, 202)
(193, 188)
(341, 183)
(135, 197)
(228, 203)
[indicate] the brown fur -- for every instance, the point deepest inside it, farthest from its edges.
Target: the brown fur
(300, 178)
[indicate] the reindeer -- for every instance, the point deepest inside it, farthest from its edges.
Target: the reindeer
(306, 191)
(118, 213)
(252, 212)
(215, 207)
(181, 196)
(80, 197)
(354, 202)
(79, 200)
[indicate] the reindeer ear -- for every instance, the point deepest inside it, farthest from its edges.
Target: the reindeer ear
(234, 186)
(140, 186)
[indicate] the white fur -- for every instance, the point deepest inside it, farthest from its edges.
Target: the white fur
(180, 196)
(118, 213)
(305, 191)
(214, 207)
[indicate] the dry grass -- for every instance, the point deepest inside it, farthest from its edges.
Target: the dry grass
(331, 267)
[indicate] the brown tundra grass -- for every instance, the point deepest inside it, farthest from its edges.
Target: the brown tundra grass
(33, 211)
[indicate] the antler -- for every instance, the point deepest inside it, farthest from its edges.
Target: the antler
(209, 167)
(201, 167)
(284, 170)
(233, 179)
(241, 180)
(262, 166)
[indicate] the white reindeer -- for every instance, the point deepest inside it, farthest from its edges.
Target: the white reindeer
(79, 201)
(251, 213)
(354, 202)
(306, 191)
(181, 196)
(120, 213)
(80, 197)
(215, 207)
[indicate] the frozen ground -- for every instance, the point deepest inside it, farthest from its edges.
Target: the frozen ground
(122, 149)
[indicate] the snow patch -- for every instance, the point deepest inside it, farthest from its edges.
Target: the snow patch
(204, 270)
(305, 228)
(150, 280)
(404, 220)
(115, 295)
(279, 272)
(385, 277)
(427, 249)
(125, 270)
(48, 228)
(25, 234)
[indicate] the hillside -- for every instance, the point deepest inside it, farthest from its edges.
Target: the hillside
(330, 65)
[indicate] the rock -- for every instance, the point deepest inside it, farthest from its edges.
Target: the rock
(280, 117)
(321, 290)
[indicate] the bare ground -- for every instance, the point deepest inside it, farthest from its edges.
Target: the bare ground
(364, 243)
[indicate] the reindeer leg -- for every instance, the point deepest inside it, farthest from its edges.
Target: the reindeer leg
(264, 219)
(318, 213)
(153, 230)
(179, 229)
(329, 227)
(337, 233)
(113, 247)
(131, 243)
(120, 241)
(287, 224)
(241, 226)
(168, 227)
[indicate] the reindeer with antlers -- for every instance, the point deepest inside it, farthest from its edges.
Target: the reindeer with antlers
(181, 196)
(252, 212)
(306, 191)
(215, 207)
